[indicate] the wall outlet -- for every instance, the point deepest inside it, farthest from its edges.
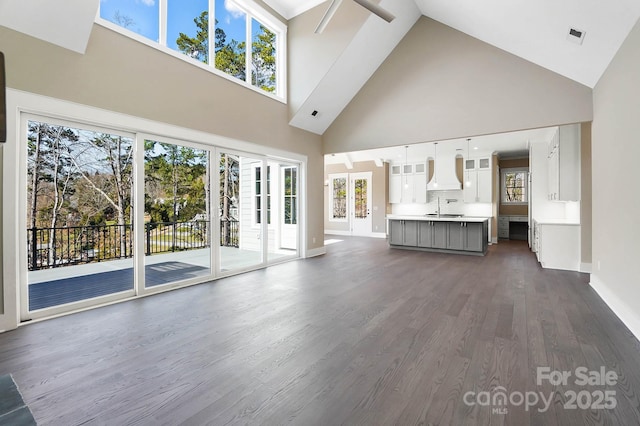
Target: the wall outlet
(313, 240)
(598, 265)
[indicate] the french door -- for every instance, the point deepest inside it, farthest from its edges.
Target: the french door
(360, 203)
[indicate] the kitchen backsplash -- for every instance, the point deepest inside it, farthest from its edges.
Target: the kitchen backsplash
(451, 202)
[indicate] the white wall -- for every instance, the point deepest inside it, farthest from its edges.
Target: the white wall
(442, 84)
(616, 194)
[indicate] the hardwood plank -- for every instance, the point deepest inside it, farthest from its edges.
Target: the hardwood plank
(362, 335)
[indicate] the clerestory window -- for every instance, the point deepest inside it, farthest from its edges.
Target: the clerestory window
(248, 43)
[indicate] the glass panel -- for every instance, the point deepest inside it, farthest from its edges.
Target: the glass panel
(177, 212)
(141, 17)
(230, 39)
(263, 57)
(283, 232)
(515, 187)
(188, 28)
(340, 198)
(361, 198)
(79, 210)
(240, 207)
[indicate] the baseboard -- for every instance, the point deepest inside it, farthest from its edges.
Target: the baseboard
(319, 251)
(332, 232)
(621, 309)
(585, 267)
(348, 234)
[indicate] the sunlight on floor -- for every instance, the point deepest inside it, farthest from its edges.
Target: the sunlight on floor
(331, 241)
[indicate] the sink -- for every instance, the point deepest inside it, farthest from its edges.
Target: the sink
(443, 215)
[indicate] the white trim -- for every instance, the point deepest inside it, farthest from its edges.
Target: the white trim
(503, 172)
(382, 235)
(252, 10)
(621, 309)
(337, 232)
(319, 251)
(14, 209)
(586, 267)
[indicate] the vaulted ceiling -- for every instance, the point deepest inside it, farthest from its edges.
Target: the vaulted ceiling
(537, 31)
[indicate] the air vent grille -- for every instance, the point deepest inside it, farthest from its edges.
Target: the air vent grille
(575, 35)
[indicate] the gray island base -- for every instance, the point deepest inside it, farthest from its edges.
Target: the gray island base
(460, 235)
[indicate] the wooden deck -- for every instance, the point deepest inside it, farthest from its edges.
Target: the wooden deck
(68, 284)
(363, 335)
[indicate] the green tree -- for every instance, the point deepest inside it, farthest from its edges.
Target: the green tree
(230, 57)
(263, 60)
(197, 47)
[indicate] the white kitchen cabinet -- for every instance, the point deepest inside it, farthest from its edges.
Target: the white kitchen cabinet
(408, 183)
(477, 177)
(420, 182)
(395, 183)
(557, 245)
(563, 164)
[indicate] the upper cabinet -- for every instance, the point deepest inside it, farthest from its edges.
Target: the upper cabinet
(477, 180)
(563, 164)
(408, 182)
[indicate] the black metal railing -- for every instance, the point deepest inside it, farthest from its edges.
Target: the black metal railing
(162, 237)
(73, 245)
(229, 233)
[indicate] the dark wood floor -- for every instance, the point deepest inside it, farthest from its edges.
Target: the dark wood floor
(364, 335)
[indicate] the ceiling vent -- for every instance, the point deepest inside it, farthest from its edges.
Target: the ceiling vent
(575, 36)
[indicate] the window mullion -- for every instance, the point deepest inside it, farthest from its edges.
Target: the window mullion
(211, 54)
(162, 22)
(248, 50)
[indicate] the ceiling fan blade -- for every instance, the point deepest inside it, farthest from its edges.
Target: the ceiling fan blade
(327, 16)
(375, 9)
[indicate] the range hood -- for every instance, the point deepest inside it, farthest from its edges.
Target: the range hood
(444, 174)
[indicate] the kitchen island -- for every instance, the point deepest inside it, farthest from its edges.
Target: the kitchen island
(439, 233)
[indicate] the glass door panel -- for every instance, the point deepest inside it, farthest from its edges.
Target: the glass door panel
(245, 204)
(79, 215)
(177, 213)
(283, 231)
(361, 203)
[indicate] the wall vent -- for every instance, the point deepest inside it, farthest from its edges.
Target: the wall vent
(575, 36)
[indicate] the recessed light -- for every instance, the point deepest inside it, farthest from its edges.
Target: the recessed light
(475, 147)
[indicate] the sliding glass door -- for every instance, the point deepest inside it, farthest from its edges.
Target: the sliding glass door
(244, 209)
(177, 212)
(79, 214)
(107, 215)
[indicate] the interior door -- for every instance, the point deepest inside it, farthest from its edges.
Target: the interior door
(361, 191)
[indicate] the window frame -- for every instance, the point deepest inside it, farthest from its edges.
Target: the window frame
(503, 182)
(252, 10)
(293, 196)
(255, 207)
(332, 177)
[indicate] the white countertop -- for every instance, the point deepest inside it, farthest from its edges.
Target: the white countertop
(437, 219)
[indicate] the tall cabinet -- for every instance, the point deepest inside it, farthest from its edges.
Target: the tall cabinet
(563, 164)
(477, 180)
(408, 182)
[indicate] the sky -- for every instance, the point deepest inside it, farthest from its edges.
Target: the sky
(180, 15)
